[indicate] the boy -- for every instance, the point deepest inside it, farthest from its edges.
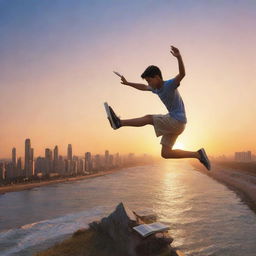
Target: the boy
(171, 125)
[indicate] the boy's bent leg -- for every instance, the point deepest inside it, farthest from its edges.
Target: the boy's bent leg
(168, 152)
(141, 121)
(168, 141)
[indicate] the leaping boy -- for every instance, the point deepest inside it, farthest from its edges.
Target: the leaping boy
(170, 125)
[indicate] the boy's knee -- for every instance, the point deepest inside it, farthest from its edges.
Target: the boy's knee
(166, 152)
(163, 155)
(149, 118)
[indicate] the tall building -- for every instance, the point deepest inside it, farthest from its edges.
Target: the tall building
(10, 171)
(80, 166)
(70, 152)
(61, 165)
(31, 154)
(56, 153)
(19, 164)
(14, 160)
(40, 168)
(48, 160)
(31, 163)
(55, 159)
(88, 162)
(68, 167)
(97, 162)
(27, 157)
(74, 167)
(2, 171)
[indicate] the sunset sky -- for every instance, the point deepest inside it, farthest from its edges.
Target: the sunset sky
(57, 57)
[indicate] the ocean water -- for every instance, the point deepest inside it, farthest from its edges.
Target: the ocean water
(205, 217)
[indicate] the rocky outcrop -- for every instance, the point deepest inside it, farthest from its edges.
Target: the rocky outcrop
(119, 227)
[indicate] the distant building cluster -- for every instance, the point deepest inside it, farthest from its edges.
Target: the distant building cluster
(53, 164)
(243, 156)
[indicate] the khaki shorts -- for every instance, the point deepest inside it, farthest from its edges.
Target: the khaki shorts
(168, 127)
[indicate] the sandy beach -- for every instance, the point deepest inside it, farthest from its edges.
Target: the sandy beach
(239, 180)
(19, 187)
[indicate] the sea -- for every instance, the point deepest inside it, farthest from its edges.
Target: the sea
(205, 217)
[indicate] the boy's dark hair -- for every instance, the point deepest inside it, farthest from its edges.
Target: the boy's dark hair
(151, 71)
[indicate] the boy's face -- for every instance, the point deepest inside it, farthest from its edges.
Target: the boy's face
(154, 82)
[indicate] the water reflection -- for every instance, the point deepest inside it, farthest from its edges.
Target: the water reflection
(205, 217)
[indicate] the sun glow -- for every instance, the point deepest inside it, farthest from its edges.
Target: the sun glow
(179, 145)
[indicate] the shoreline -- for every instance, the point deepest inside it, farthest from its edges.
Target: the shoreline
(237, 180)
(20, 187)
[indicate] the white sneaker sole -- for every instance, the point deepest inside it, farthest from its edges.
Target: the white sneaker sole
(109, 115)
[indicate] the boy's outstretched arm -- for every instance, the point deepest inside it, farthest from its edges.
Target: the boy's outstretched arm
(141, 87)
(176, 53)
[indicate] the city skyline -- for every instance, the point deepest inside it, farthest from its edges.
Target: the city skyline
(57, 60)
(69, 153)
(52, 164)
(29, 153)
(48, 150)
(55, 165)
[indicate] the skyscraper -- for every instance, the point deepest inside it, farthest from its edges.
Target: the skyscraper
(14, 162)
(31, 163)
(55, 159)
(31, 154)
(61, 165)
(56, 153)
(2, 171)
(19, 164)
(88, 162)
(48, 157)
(27, 156)
(69, 152)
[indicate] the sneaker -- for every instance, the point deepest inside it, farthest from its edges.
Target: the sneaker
(112, 117)
(204, 159)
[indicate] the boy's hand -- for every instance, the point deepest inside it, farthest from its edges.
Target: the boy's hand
(175, 51)
(124, 81)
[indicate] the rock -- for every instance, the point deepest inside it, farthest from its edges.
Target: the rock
(154, 244)
(118, 223)
(119, 227)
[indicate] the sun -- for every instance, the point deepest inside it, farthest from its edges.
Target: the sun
(179, 145)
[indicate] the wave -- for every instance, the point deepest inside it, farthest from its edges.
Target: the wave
(15, 240)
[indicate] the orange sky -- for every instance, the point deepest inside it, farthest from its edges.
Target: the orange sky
(55, 78)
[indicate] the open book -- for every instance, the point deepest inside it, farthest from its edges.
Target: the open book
(148, 229)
